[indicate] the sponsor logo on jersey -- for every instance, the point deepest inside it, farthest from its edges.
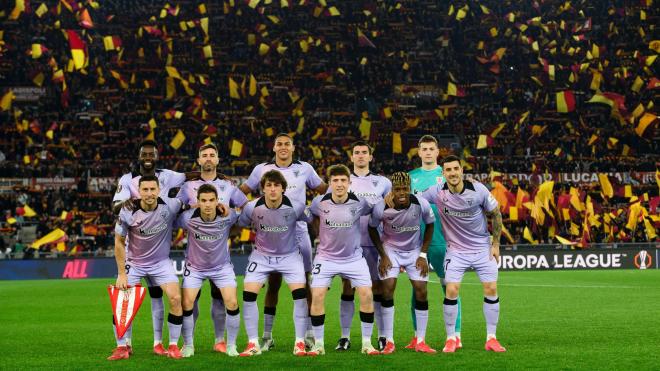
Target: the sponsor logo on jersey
(276, 229)
(460, 214)
(334, 224)
(403, 229)
(151, 231)
(207, 237)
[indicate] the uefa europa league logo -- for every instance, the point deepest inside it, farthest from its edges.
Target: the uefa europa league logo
(643, 260)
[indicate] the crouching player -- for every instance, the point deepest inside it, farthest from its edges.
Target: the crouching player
(208, 258)
(337, 215)
(147, 222)
(401, 241)
(274, 219)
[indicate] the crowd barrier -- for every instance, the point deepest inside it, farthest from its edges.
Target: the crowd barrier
(513, 258)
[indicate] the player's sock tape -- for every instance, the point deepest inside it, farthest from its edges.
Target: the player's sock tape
(249, 296)
(450, 301)
(297, 294)
(367, 317)
(421, 305)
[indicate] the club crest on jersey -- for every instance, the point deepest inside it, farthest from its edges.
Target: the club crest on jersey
(296, 173)
(222, 188)
(469, 201)
(164, 214)
(375, 183)
(286, 216)
(353, 211)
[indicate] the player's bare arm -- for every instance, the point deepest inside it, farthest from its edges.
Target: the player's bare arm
(422, 261)
(322, 188)
(385, 263)
(120, 258)
(245, 189)
(496, 220)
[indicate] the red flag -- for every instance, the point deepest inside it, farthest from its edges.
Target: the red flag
(654, 83)
(125, 305)
(78, 49)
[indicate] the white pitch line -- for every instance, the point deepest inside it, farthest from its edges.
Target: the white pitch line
(558, 286)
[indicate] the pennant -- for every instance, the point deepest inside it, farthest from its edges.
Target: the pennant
(29, 213)
(528, 236)
(253, 86)
(178, 139)
(365, 128)
(125, 305)
(565, 241)
(605, 185)
(363, 40)
(455, 91)
(111, 43)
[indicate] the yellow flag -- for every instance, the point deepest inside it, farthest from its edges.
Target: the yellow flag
(178, 139)
(316, 151)
(253, 86)
(170, 88)
(564, 241)
(51, 237)
(365, 128)
(263, 49)
(7, 99)
(233, 89)
(396, 143)
(29, 212)
(644, 122)
(528, 236)
(236, 148)
(245, 235)
(482, 142)
(333, 11)
(513, 213)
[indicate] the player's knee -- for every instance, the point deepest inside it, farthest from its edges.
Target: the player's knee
(420, 293)
(490, 291)
(298, 294)
(231, 303)
(366, 297)
(175, 300)
(155, 292)
(249, 296)
(188, 303)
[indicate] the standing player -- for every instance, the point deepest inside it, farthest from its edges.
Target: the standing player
(337, 215)
(465, 205)
(429, 174)
(208, 258)
(149, 231)
(127, 189)
(274, 217)
(402, 239)
(299, 177)
(227, 193)
(372, 188)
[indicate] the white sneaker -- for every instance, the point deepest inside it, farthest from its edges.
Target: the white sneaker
(266, 344)
(231, 350)
(369, 350)
(187, 351)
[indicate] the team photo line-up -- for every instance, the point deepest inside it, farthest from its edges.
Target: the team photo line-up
(369, 227)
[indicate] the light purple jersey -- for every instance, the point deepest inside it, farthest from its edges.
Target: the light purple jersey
(339, 227)
(373, 189)
(228, 194)
(463, 215)
(128, 184)
(207, 241)
(299, 176)
(275, 228)
(401, 228)
(149, 232)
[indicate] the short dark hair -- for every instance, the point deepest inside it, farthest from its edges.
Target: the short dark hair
(427, 139)
(283, 134)
(273, 176)
(450, 158)
(361, 143)
(207, 188)
(337, 170)
(207, 146)
(148, 178)
(148, 143)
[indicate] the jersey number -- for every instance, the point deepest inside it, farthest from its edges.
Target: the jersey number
(447, 264)
(128, 268)
(252, 267)
(317, 269)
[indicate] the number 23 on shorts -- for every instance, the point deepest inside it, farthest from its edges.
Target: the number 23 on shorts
(317, 269)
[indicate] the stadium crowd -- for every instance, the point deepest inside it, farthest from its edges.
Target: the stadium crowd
(509, 90)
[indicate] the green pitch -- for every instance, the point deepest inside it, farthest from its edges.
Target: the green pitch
(549, 320)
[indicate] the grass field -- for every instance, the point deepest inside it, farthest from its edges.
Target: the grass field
(549, 320)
